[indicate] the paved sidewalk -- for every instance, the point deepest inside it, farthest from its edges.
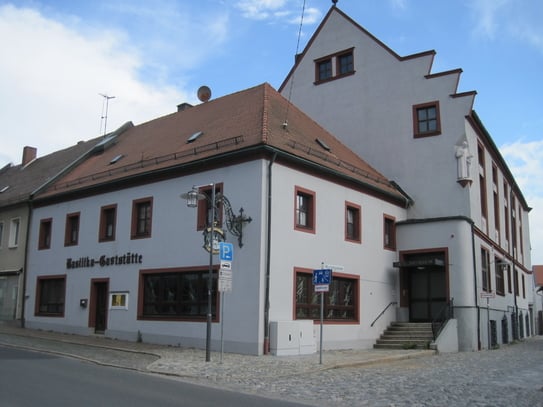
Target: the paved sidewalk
(190, 363)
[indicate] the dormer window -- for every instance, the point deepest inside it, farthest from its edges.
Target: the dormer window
(334, 66)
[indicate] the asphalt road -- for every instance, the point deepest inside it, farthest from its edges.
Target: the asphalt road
(29, 378)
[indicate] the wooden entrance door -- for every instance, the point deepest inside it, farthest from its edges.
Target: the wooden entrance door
(98, 305)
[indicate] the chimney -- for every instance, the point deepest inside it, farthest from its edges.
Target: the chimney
(29, 154)
(183, 106)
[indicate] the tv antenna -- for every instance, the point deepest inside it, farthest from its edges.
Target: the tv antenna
(105, 107)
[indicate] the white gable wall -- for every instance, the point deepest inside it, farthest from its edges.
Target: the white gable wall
(371, 111)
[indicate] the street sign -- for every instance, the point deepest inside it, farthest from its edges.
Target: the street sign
(488, 295)
(226, 251)
(322, 288)
(226, 265)
(225, 280)
(322, 276)
(334, 267)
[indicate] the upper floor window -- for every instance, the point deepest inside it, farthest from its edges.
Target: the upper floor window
(389, 233)
(142, 210)
(14, 229)
(324, 70)
(485, 270)
(426, 119)
(345, 64)
(352, 222)
(500, 281)
(71, 234)
(44, 240)
(108, 219)
(304, 216)
(334, 66)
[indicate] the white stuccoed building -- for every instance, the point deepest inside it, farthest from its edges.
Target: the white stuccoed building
(115, 251)
(465, 242)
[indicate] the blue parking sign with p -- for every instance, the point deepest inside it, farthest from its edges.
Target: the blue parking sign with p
(226, 251)
(322, 276)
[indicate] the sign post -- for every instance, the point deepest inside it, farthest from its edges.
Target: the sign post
(226, 256)
(321, 280)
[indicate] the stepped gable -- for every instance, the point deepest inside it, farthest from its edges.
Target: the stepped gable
(230, 126)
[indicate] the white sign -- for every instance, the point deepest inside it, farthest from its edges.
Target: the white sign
(488, 295)
(225, 280)
(226, 265)
(334, 267)
(322, 288)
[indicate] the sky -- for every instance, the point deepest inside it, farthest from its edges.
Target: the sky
(62, 60)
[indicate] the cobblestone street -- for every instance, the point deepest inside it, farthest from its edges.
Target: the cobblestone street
(511, 376)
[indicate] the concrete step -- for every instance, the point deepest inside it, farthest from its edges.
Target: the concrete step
(406, 335)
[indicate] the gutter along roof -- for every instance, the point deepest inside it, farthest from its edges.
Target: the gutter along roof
(233, 126)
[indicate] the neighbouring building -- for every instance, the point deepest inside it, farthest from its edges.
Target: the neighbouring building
(114, 250)
(18, 185)
(464, 245)
(538, 299)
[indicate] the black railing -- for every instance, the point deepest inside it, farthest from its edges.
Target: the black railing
(382, 312)
(444, 314)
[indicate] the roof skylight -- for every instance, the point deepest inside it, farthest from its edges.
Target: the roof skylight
(116, 158)
(323, 144)
(194, 136)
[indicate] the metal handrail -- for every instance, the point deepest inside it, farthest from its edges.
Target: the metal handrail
(382, 312)
(446, 313)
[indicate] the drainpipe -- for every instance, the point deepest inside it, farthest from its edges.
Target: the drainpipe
(475, 287)
(25, 263)
(268, 263)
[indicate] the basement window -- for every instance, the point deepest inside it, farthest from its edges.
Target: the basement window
(4, 189)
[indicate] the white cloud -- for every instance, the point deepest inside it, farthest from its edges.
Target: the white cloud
(51, 76)
(287, 11)
(486, 16)
(259, 9)
(526, 163)
(506, 18)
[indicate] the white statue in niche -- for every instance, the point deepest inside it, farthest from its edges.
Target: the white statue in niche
(463, 160)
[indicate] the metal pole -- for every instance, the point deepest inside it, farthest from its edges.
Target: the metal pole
(322, 319)
(488, 320)
(222, 324)
(210, 276)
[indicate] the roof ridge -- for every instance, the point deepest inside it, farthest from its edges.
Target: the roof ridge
(265, 113)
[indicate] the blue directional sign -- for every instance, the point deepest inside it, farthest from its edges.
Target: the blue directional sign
(322, 276)
(226, 251)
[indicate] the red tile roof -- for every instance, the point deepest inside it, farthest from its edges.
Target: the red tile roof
(233, 124)
(538, 272)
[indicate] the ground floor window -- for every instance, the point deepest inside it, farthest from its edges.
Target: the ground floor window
(179, 294)
(50, 295)
(340, 302)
